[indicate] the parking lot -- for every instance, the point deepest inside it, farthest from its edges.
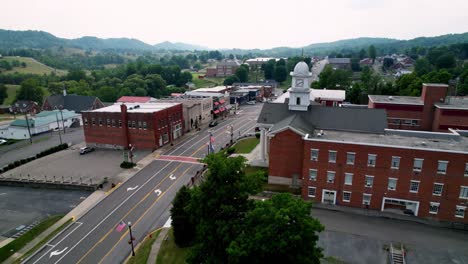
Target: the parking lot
(69, 166)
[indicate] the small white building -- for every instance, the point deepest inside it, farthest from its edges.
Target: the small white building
(43, 122)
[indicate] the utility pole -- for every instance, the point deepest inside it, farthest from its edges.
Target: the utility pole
(232, 134)
(131, 238)
(60, 136)
(63, 123)
(27, 124)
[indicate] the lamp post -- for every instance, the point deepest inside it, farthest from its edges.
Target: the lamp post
(60, 136)
(63, 123)
(131, 238)
(27, 124)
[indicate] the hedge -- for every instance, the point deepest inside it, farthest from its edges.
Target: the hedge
(127, 165)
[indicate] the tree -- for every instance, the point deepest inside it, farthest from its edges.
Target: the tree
(372, 53)
(76, 75)
(362, 54)
(281, 74)
(140, 92)
(445, 61)
(422, 66)
(182, 222)
(107, 94)
(155, 85)
(243, 74)
(387, 63)
(30, 90)
(3, 93)
(269, 69)
(230, 80)
(279, 230)
(353, 94)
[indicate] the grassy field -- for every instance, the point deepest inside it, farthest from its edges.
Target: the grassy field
(17, 244)
(206, 82)
(170, 252)
(246, 145)
(11, 93)
(32, 66)
(144, 249)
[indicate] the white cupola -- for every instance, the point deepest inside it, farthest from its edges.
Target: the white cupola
(299, 93)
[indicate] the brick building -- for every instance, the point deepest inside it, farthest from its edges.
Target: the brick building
(223, 69)
(143, 125)
(348, 156)
(432, 111)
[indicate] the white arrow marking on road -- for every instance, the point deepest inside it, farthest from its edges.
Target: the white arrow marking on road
(56, 252)
(132, 188)
(172, 177)
(2, 193)
(157, 192)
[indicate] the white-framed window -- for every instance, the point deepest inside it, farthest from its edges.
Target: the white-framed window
(108, 122)
(434, 208)
(460, 211)
(392, 184)
(417, 164)
(86, 121)
(442, 167)
(120, 123)
(133, 124)
(311, 191)
(332, 156)
(466, 170)
(348, 180)
(346, 196)
(113, 122)
(314, 154)
(369, 181)
(350, 157)
(330, 176)
(371, 160)
(145, 125)
(395, 162)
(100, 121)
(463, 192)
(366, 198)
(414, 186)
(438, 188)
(312, 174)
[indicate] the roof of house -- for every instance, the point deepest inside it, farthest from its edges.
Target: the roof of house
(392, 99)
(295, 122)
(72, 102)
(203, 94)
(229, 63)
(454, 102)
(216, 89)
(135, 99)
(261, 59)
(136, 107)
(339, 60)
(333, 118)
(45, 118)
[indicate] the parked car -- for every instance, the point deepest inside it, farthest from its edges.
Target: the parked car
(86, 150)
(251, 102)
(213, 123)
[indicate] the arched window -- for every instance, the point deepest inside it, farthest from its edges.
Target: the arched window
(298, 101)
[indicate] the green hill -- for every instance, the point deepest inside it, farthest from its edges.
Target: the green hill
(32, 66)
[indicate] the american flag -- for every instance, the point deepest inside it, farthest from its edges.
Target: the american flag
(120, 226)
(211, 144)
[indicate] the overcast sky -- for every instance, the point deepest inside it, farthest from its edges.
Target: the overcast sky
(238, 23)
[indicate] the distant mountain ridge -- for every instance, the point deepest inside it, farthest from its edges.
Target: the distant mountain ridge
(166, 45)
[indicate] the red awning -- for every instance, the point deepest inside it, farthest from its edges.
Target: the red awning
(216, 103)
(221, 101)
(221, 109)
(216, 111)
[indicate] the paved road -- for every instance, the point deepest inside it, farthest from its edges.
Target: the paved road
(317, 69)
(143, 200)
(24, 149)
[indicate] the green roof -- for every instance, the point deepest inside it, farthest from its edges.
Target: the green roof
(44, 118)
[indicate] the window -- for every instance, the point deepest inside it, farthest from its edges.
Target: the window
(417, 164)
(392, 184)
(463, 192)
(86, 123)
(108, 122)
(369, 181)
(346, 196)
(139, 125)
(350, 156)
(144, 125)
(298, 101)
(113, 122)
(442, 167)
(438, 187)
(366, 198)
(120, 123)
(348, 179)
(460, 211)
(434, 208)
(466, 170)
(311, 191)
(371, 159)
(129, 124)
(312, 175)
(314, 154)
(330, 176)
(414, 186)
(415, 122)
(332, 156)
(395, 162)
(100, 121)
(133, 124)
(93, 121)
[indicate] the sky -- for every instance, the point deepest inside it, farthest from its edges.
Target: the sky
(243, 24)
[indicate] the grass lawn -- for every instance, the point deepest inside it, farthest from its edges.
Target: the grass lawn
(32, 66)
(144, 249)
(6, 117)
(206, 82)
(286, 84)
(170, 252)
(17, 244)
(11, 93)
(246, 145)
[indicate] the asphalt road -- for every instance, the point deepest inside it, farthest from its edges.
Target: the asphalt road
(143, 200)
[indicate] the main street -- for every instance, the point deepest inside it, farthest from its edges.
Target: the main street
(143, 200)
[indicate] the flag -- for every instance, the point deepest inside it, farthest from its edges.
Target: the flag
(120, 226)
(212, 139)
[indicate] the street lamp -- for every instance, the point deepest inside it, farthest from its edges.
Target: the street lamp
(131, 238)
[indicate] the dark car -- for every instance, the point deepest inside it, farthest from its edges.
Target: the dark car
(86, 150)
(408, 212)
(213, 123)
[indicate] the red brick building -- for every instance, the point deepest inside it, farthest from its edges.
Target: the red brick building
(347, 156)
(432, 111)
(143, 125)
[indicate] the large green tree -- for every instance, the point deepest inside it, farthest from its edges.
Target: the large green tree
(30, 90)
(182, 221)
(279, 230)
(281, 74)
(372, 52)
(243, 74)
(3, 93)
(269, 69)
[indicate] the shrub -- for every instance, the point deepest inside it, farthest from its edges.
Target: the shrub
(127, 165)
(17, 163)
(230, 150)
(257, 135)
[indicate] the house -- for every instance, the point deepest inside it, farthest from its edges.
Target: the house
(223, 69)
(340, 63)
(77, 103)
(366, 61)
(348, 157)
(25, 106)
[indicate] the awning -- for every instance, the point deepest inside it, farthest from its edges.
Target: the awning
(216, 103)
(221, 109)
(221, 101)
(216, 111)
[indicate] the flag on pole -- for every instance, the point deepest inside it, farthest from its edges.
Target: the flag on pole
(120, 226)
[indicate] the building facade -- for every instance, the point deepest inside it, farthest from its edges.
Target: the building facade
(143, 125)
(77, 103)
(196, 111)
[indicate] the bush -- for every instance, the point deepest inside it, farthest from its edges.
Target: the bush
(230, 150)
(257, 135)
(38, 155)
(17, 163)
(127, 165)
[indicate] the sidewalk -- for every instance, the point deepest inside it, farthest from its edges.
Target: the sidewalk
(153, 256)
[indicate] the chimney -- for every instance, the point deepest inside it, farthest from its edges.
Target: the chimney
(64, 92)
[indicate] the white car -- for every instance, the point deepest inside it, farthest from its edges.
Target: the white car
(251, 102)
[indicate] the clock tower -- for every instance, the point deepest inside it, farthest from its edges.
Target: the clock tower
(299, 93)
